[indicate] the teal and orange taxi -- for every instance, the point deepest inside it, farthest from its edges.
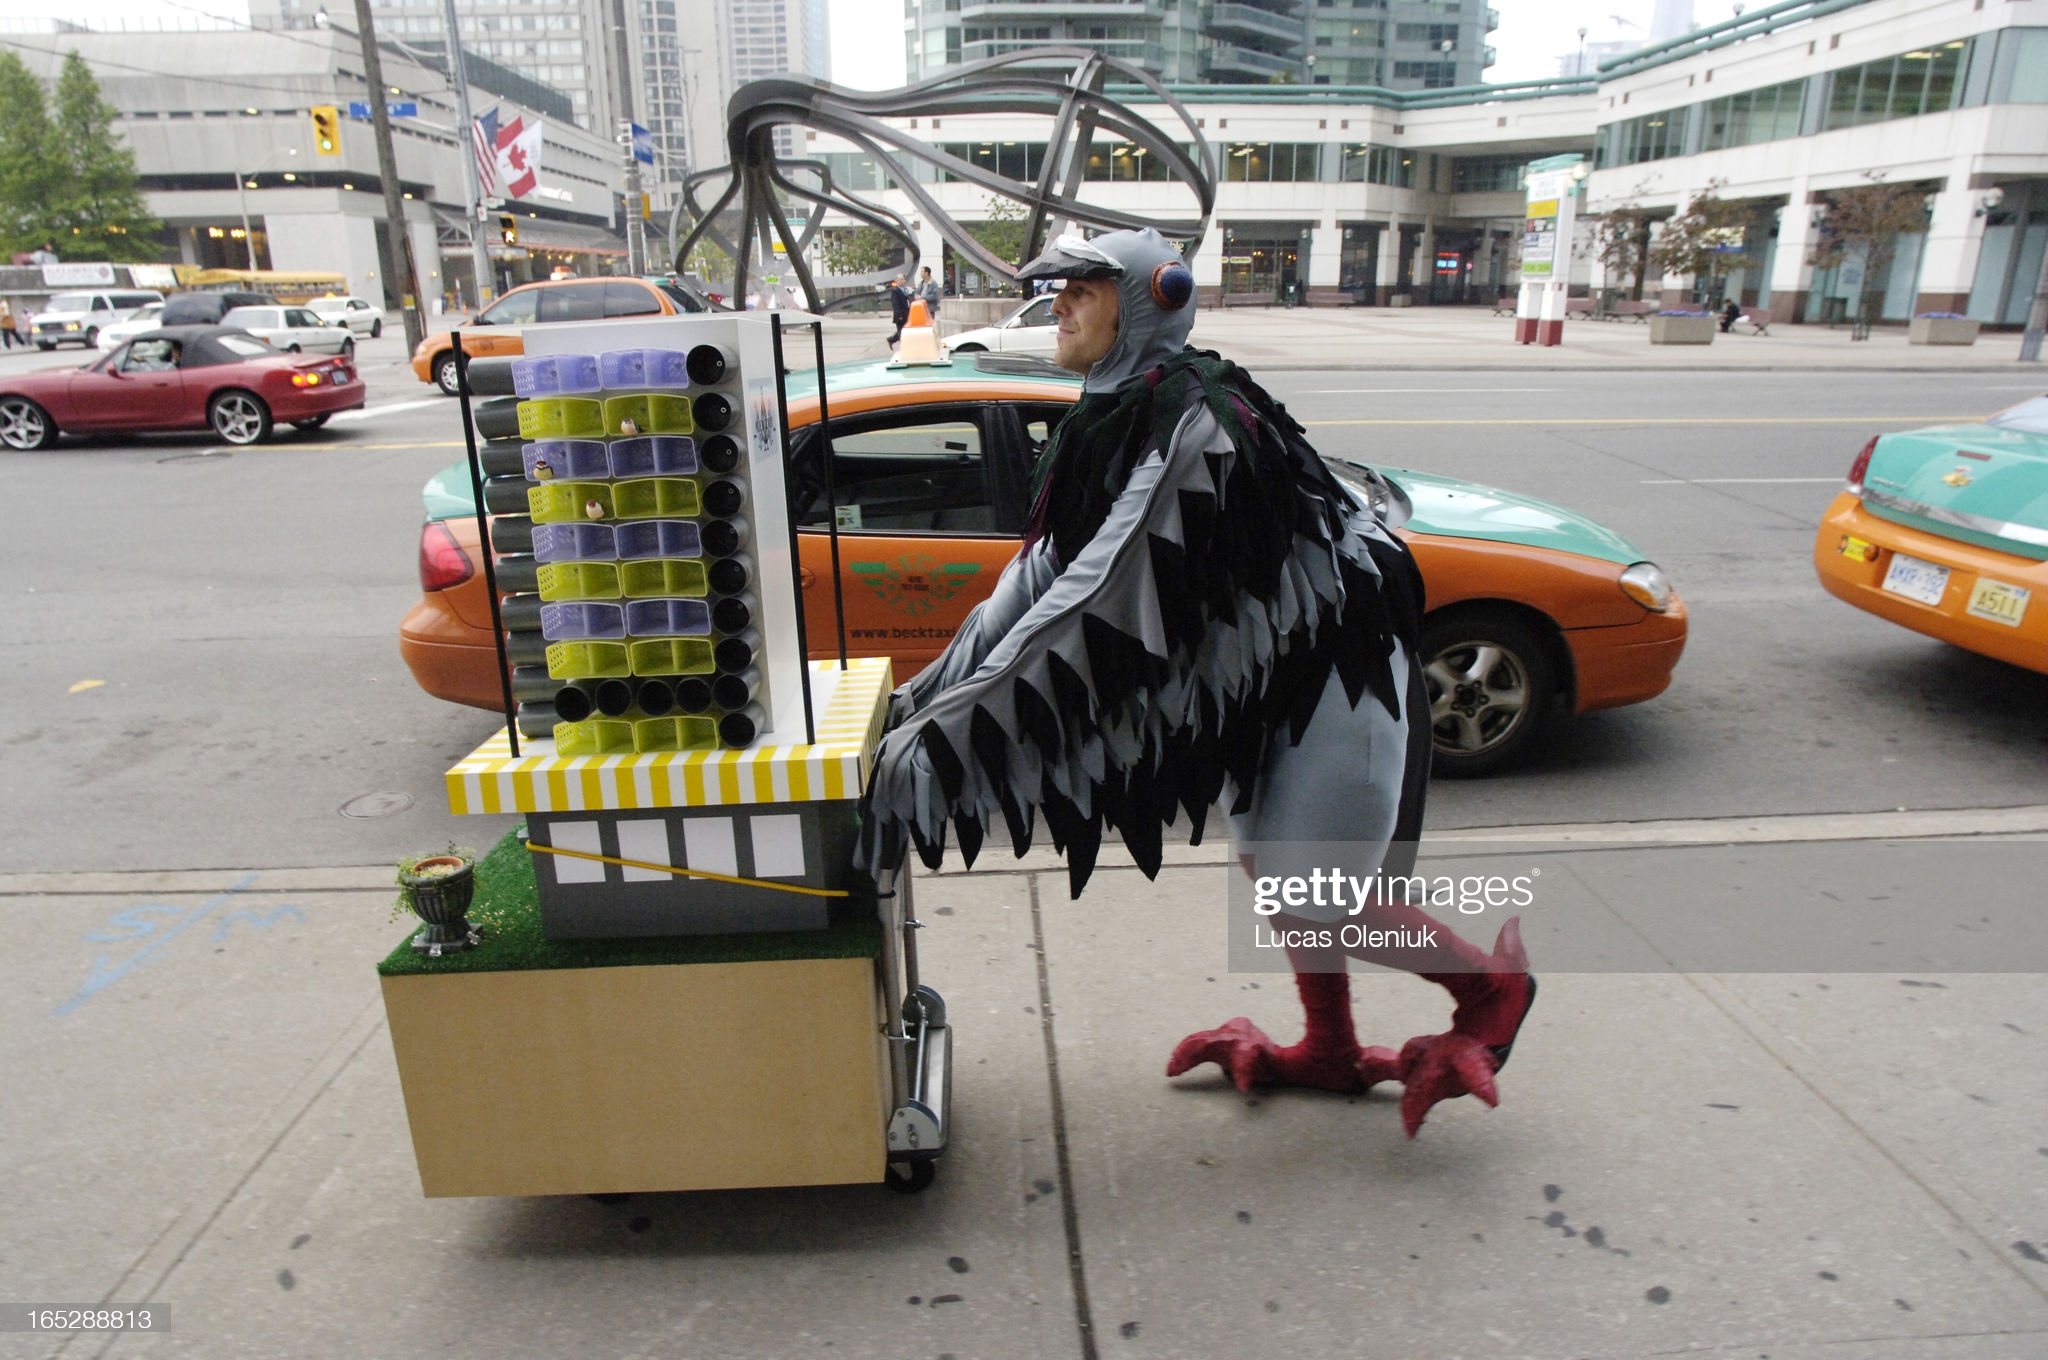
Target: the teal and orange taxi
(1945, 531)
(1534, 612)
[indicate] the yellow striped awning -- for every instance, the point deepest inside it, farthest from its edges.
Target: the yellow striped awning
(850, 707)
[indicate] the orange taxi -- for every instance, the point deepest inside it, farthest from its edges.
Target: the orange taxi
(498, 330)
(1945, 531)
(1534, 612)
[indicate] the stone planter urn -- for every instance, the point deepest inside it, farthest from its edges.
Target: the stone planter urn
(1682, 328)
(1941, 328)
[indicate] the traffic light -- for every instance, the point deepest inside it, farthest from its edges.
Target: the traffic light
(327, 130)
(509, 225)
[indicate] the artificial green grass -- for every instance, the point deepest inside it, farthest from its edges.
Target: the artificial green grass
(506, 910)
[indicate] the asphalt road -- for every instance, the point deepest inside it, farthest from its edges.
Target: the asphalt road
(240, 609)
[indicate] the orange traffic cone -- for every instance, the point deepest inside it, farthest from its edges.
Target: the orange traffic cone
(920, 343)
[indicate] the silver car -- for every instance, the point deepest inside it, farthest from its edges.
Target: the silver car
(1031, 329)
(360, 315)
(295, 329)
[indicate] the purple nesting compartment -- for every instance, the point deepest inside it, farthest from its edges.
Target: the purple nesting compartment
(554, 375)
(668, 618)
(578, 460)
(573, 543)
(654, 455)
(623, 369)
(581, 620)
(658, 538)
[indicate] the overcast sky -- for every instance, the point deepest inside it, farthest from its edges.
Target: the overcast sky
(867, 35)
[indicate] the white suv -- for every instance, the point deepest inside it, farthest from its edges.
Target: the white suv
(78, 318)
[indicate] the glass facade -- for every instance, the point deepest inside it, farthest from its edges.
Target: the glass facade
(1390, 165)
(1764, 115)
(1488, 174)
(1925, 80)
(1652, 137)
(1264, 162)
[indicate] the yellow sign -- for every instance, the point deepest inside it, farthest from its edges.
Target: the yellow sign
(326, 130)
(1546, 208)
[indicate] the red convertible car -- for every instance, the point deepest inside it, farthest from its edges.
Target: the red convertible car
(179, 378)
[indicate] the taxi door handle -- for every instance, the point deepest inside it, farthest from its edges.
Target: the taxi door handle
(806, 578)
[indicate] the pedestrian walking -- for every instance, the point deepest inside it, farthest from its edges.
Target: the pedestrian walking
(6, 323)
(928, 289)
(899, 307)
(47, 255)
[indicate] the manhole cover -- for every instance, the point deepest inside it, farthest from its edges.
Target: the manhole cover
(198, 456)
(376, 805)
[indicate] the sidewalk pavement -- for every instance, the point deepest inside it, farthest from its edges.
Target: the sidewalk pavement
(1474, 339)
(204, 1112)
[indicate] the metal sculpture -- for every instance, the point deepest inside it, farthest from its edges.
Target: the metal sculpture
(1019, 83)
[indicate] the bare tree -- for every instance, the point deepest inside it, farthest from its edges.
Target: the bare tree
(1866, 221)
(1697, 240)
(1621, 241)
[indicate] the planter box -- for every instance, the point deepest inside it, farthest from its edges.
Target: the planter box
(1682, 330)
(1942, 330)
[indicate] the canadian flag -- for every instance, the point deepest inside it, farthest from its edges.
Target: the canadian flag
(519, 157)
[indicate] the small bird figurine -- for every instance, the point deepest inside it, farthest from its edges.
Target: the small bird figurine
(593, 508)
(629, 427)
(543, 471)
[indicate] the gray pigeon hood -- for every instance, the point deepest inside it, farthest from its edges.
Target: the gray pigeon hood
(1147, 334)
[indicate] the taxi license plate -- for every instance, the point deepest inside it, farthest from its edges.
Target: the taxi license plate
(1999, 602)
(1925, 582)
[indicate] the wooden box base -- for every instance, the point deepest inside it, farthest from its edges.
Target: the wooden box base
(664, 1077)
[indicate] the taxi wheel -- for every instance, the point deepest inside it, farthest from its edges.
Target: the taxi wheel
(1492, 689)
(239, 417)
(376, 330)
(969, 348)
(46, 344)
(445, 377)
(92, 337)
(25, 425)
(291, 349)
(348, 348)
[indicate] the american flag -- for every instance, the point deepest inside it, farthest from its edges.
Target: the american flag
(486, 131)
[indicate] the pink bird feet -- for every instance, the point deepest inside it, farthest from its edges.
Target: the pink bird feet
(1249, 1058)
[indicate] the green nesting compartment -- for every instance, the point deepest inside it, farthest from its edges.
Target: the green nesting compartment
(657, 576)
(579, 581)
(657, 497)
(562, 418)
(672, 656)
(650, 412)
(598, 737)
(588, 660)
(568, 502)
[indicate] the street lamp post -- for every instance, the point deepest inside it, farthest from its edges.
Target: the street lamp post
(387, 171)
(242, 195)
(458, 76)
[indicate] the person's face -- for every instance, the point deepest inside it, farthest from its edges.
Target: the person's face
(1087, 313)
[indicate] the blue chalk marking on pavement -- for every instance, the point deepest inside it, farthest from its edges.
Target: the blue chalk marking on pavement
(254, 921)
(137, 923)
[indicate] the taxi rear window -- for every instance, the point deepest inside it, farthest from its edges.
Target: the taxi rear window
(2029, 417)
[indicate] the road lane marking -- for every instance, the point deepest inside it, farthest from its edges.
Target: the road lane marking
(444, 444)
(1738, 481)
(1382, 391)
(365, 412)
(1675, 420)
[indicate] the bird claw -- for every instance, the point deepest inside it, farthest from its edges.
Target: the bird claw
(1438, 1067)
(1249, 1058)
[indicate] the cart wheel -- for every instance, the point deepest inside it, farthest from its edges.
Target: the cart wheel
(925, 1004)
(911, 1178)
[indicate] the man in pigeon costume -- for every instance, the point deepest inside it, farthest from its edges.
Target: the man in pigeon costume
(1200, 613)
